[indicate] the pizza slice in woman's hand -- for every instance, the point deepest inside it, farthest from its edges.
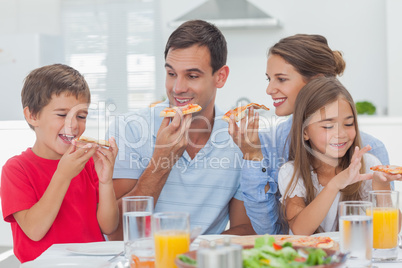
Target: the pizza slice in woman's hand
(240, 112)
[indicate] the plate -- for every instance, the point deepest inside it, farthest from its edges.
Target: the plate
(333, 235)
(66, 262)
(97, 248)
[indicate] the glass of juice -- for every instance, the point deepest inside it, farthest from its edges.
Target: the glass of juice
(171, 236)
(137, 230)
(356, 232)
(385, 224)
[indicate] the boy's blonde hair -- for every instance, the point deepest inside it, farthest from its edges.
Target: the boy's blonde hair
(44, 82)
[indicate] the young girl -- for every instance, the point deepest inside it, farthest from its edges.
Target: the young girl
(325, 164)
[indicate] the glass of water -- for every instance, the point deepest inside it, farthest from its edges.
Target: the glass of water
(137, 228)
(356, 232)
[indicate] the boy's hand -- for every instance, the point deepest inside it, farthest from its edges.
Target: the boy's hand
(104, 159)
(74, 160)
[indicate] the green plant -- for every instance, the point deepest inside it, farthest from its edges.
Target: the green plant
(365, 107)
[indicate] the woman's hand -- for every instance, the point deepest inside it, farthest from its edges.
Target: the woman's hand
(246, 135)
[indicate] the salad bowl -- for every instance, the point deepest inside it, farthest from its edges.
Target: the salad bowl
(337, 258)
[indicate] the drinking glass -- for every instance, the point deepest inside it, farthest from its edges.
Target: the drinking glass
(385, 224)
(356, 231)
(172, 237)
(137, 228)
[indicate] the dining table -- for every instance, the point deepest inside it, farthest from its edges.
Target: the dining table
(110, 254)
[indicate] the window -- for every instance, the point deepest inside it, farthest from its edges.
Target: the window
(113, 44)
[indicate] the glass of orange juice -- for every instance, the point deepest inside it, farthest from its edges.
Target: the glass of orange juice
(171, 237)
(385, 224)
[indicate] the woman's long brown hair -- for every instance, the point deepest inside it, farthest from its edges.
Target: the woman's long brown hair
(312, 97)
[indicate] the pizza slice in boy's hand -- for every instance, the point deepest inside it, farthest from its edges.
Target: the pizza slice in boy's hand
(186, 109)
(240, 112)
(84, 140)
(390, 169)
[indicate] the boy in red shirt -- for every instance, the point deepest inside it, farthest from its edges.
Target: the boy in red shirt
(58, 191)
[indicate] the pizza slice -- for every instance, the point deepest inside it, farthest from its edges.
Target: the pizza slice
(186, 109)
(296, 240)
(102, 143)
(240, 112)
(390, 169)
(310, 241)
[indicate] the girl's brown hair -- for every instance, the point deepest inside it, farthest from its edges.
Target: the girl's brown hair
(311, 98)
(310, 55)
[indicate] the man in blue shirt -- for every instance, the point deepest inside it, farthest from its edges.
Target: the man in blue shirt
(188, 163)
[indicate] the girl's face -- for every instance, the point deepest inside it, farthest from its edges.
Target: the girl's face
(331, 130)
(284, 84)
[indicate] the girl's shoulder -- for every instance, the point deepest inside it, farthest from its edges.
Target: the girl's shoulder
(287, 167)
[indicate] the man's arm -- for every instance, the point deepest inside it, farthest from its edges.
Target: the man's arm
(171, 141)
(239, 222)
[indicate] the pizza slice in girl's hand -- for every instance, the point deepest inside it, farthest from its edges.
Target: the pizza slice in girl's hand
(186, 109)
(390, 169)
(240, 112)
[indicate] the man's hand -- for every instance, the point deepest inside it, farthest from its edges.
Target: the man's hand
(171, 140)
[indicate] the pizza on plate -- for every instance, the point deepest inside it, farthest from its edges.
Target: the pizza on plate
(240, 112)
(309, 241)
(186, 109)
(390, 169)
(296, 240)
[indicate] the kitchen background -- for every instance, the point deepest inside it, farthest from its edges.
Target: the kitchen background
(118, 45)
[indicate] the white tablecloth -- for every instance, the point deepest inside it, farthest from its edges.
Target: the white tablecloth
(60, 255)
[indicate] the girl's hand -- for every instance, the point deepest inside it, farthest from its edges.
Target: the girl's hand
(352, 173)
(104, 159)
(74, 160)
(381, 180)
(246, 137)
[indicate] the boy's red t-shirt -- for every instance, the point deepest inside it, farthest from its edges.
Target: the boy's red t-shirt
(24, 180)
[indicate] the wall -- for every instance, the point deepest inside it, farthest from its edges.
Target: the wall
(363, 30)
(357, 28)
(394, 55)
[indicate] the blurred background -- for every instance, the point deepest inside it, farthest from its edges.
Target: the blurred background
(118, 45)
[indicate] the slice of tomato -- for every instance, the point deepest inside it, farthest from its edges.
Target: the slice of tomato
(300, 259)
(276, 246)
